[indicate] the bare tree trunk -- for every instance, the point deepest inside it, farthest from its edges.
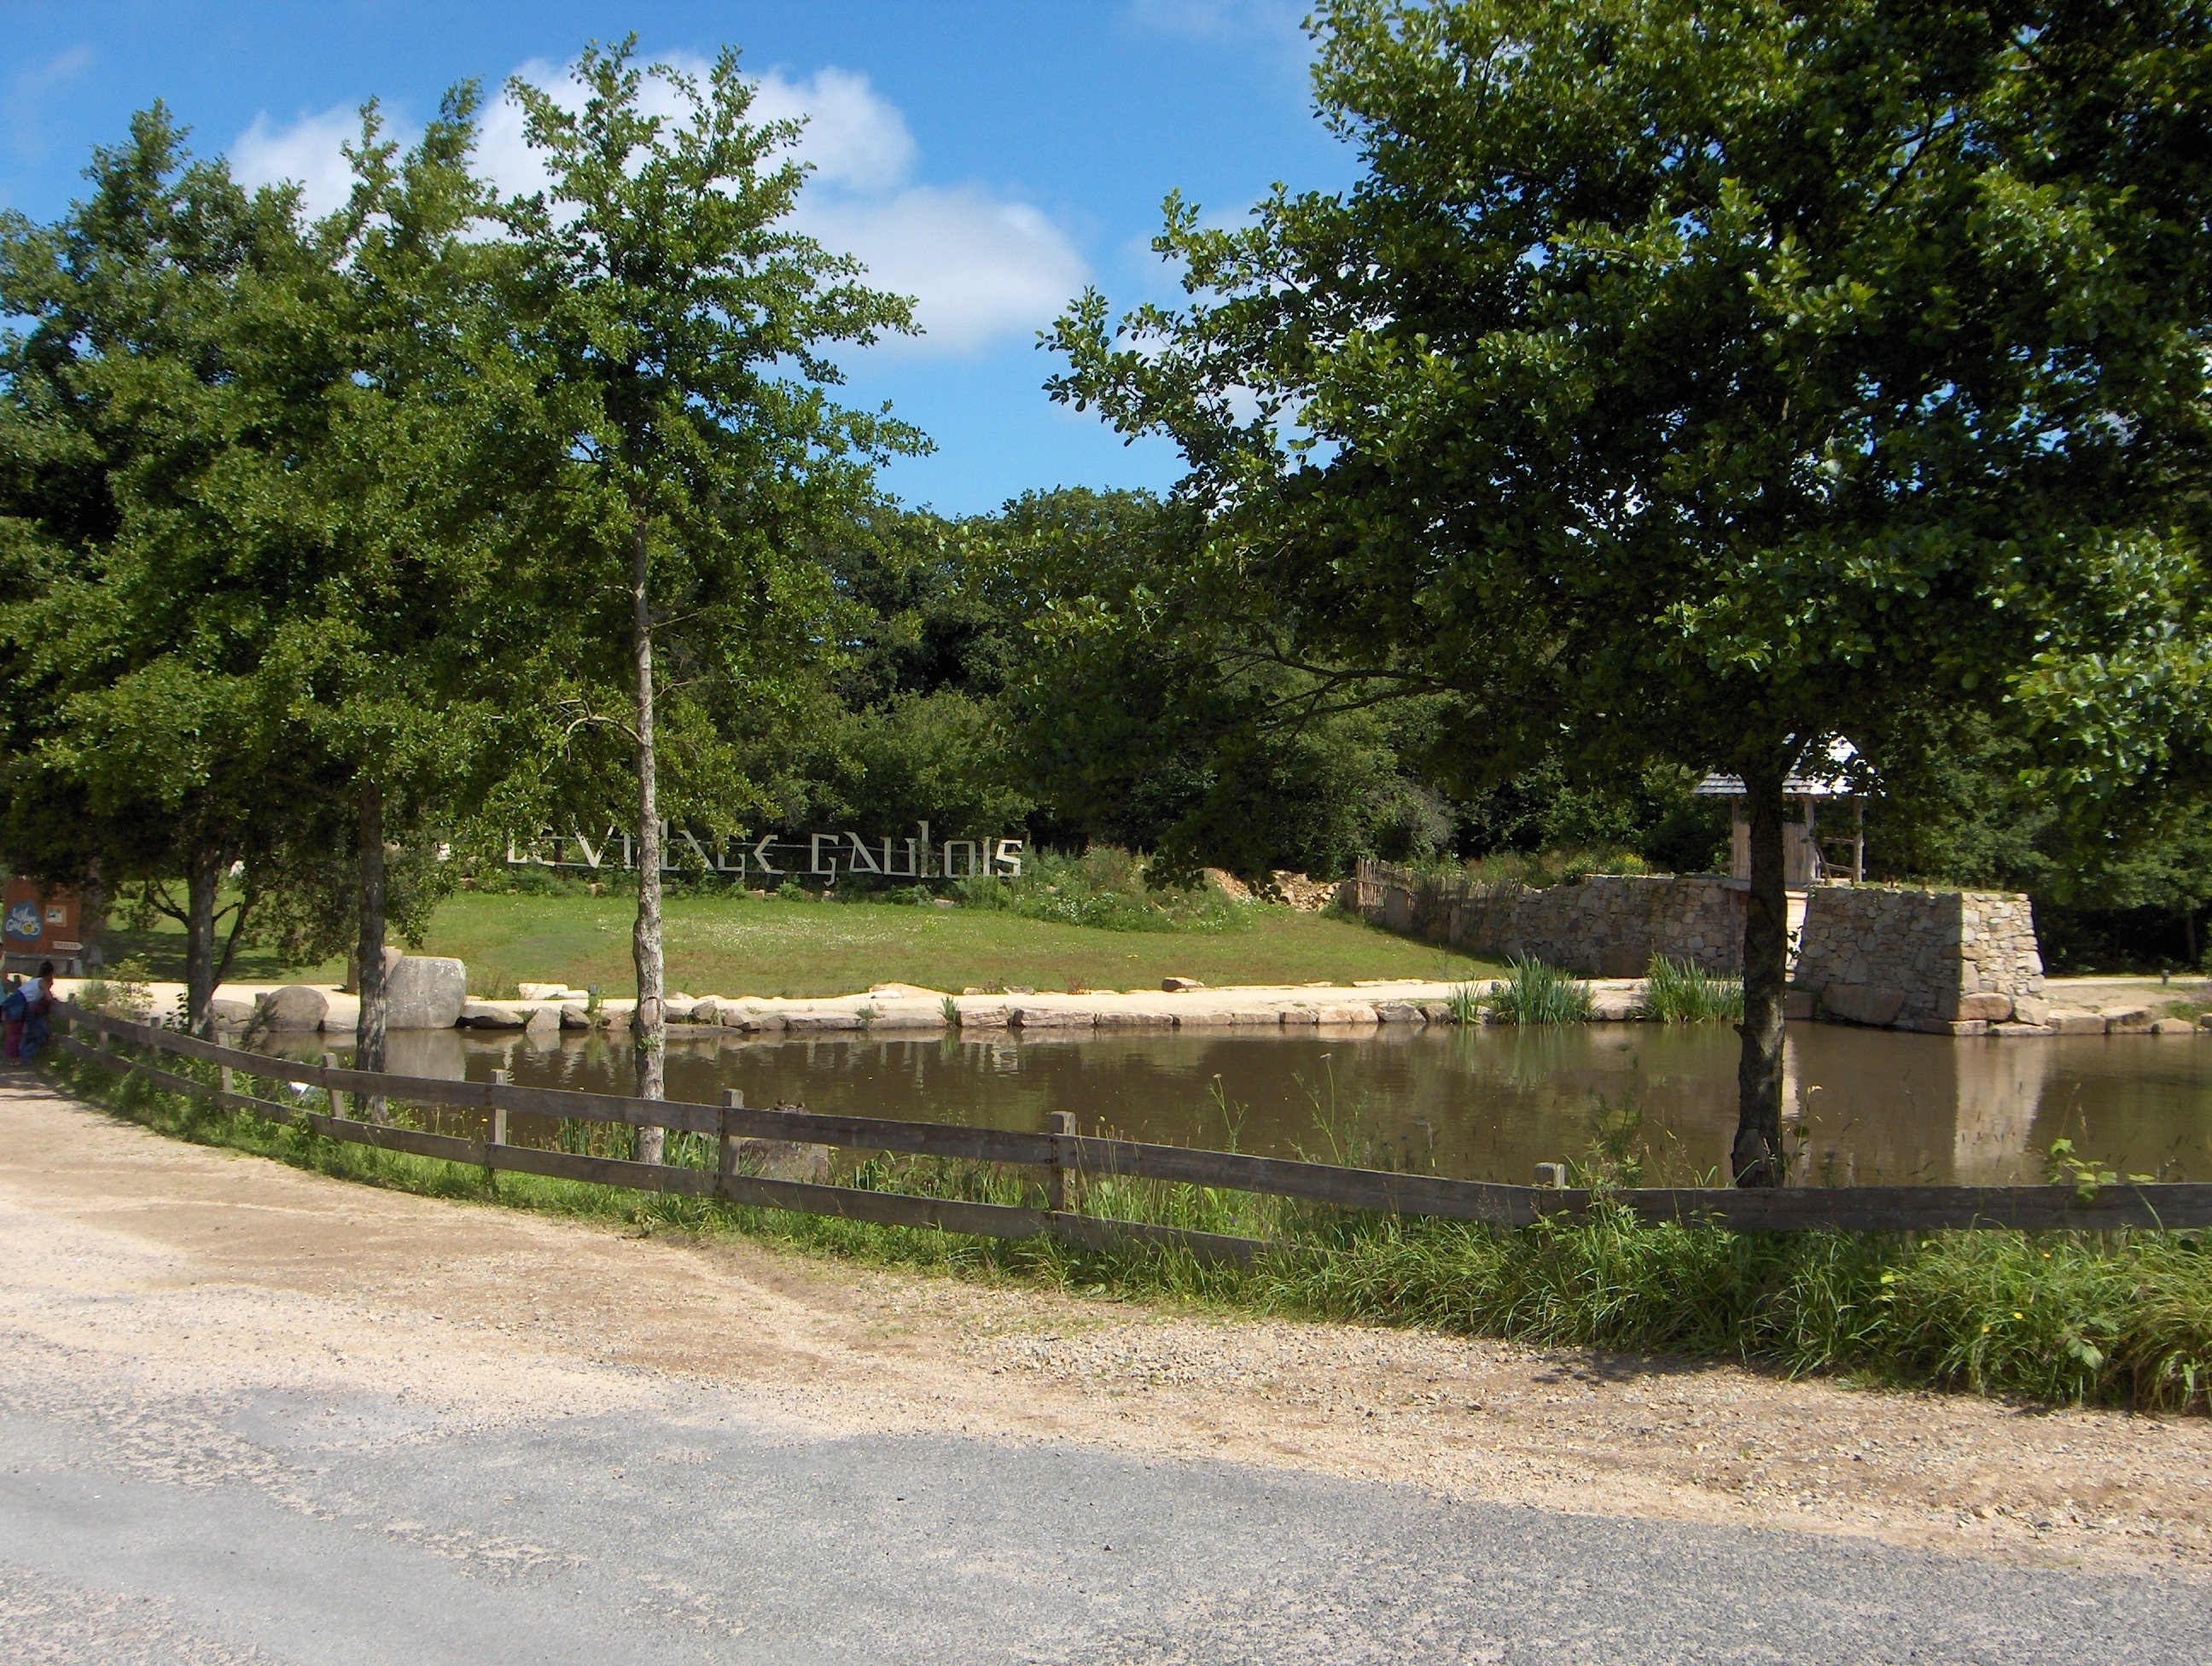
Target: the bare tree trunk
(370, 1028)
(1757, 1155)
(204, 870)
(648, 1023)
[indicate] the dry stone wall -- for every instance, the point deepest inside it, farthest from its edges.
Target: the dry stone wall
(1912, 958)
(1610, 925)
(1918, 959)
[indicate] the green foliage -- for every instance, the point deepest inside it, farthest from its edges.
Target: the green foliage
(1105, 888)
(1677, 992)
(1533, 993)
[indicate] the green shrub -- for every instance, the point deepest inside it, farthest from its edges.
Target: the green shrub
(1106, 888)
(1677, 992)
(1533, 993)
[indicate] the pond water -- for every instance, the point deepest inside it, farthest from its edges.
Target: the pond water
(1489, 1103)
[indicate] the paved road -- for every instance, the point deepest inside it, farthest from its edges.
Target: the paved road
(357, 1532)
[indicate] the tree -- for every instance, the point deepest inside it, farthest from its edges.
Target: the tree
(680, 328)
(395, 505)
(135, 402)
(1683, 384)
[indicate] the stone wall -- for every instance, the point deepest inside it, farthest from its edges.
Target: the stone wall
(1941, 960)
(1610, 925)
(1918, 959)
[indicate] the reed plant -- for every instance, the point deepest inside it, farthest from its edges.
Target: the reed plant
(1681, 992)
(1533, 993)
(2121, 1318)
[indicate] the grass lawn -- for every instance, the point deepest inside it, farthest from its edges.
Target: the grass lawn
(730, 947)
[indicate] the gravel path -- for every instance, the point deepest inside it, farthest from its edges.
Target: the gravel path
(249, 1414)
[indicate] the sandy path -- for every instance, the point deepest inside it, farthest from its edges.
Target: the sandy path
(190, 1272)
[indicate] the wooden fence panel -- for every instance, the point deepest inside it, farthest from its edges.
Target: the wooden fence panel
(1859, 1208)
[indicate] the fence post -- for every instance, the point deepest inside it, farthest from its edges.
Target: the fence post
(337, 1105)
(500, 1079)
(726, 1149)
(224, 1084)
(1060, 1124)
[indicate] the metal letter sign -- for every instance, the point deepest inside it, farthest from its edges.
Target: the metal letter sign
(816, 855)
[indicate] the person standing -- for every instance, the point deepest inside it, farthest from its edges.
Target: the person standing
(37, 1011)
(14, 1007)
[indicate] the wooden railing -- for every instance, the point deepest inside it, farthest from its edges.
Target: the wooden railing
(1064, 1157)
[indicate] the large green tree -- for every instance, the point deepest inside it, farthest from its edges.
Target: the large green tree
(136, 404)
(680, 330)
(1688, 383)
(387, 664)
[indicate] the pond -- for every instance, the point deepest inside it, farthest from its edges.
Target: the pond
(1489, 1103)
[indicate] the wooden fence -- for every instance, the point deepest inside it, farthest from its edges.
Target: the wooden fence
(1062, 1156)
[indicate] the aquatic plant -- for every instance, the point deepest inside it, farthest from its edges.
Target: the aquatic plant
(1680, 992)
(1533, 993)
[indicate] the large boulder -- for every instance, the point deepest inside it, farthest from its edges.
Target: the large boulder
(292, 1009)
(426, 992)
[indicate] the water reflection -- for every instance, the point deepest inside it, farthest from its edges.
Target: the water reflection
(1490, 1103)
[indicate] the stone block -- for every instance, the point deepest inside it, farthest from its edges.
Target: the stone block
(1050, 1018)
(2016, 1029)
(1615, 1007)
(749, 1020)
(541, 991)
(295, 1009)
(1296, 1016)
(1438, 1012)
(2074, 1021)
(426, 992)
(229, 1012)
(1862, 1003)
(982, 1018)
(823, 1021)
(1136, 1017)
(1175, 986)
(1354, 1014)
(707, 1011)
(1986, 1004)
(2031, 1009)
(575, 1015)
(491, 1015)
(2173, 1027)
(541, 1020)
(2121, 1019)
(1399, 1012)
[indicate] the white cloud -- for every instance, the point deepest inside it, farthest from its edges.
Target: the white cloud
(307, 154)
(855, 137)
(981, 267)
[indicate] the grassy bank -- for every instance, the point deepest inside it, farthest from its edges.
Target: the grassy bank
(2120, 1319)
(740, 945)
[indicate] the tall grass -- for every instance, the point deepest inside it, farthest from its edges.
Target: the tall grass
(2122, 1318)
(1533, 993)
(1680, 991)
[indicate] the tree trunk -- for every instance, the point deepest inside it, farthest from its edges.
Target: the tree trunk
(204, 870)
(370, 1028)
(1756, 1157)
(648, 1025)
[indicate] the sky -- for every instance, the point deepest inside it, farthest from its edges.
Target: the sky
(991, 160)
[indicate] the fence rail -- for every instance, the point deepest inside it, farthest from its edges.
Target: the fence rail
(1065, 1155)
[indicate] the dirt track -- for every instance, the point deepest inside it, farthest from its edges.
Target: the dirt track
(186, 1272)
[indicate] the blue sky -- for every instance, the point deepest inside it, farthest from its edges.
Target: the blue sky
(991, 159)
